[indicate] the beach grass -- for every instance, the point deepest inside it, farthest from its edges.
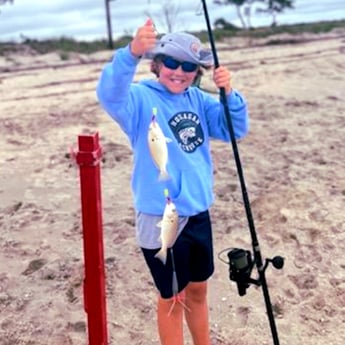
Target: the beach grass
(65, 44)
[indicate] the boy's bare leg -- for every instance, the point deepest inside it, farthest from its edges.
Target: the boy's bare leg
(197, 313)
(170, 321)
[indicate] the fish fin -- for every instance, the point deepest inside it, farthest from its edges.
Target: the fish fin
(159, 225)
(162, 255)
(168, 140)
(172, 306)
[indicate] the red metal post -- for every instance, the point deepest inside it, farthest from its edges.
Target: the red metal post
(88, 158)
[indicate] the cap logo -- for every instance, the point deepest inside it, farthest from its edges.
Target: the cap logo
(195, 47)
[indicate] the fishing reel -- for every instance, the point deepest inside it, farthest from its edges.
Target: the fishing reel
(241, 265)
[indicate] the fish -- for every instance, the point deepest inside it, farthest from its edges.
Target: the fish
(169, 228)
(158, 146)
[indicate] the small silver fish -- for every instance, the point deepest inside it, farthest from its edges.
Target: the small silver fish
(158, 147)
(169, 227)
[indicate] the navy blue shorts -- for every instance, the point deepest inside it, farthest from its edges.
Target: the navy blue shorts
(192, 253)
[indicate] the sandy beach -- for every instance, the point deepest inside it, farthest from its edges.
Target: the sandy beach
(294, 167)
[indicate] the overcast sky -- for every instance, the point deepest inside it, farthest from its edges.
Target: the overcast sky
(85, 19)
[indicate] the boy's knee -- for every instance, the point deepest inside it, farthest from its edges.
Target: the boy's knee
(196, 291)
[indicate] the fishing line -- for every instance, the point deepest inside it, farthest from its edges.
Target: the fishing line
(240, 260)
(174, 277)
(176, 297)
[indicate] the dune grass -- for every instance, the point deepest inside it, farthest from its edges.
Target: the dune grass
(65, 45)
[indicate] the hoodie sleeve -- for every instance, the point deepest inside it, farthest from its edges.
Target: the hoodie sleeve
(216, 118)
(113, 88)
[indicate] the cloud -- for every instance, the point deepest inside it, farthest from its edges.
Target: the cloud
(66, 18)
(85, 19)
(51, 18)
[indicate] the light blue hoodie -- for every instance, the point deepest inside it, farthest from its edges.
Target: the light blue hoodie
(189, 119)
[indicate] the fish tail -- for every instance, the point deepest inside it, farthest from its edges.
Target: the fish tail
(174, 284)
(162, 255)
(163, 175)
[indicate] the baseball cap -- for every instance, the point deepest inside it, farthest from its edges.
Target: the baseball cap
(183, 47)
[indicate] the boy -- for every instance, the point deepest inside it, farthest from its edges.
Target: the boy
(188, 118)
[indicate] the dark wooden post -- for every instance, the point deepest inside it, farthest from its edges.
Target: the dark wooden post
(109, 28)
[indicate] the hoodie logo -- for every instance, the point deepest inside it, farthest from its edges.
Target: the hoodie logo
(187, 130)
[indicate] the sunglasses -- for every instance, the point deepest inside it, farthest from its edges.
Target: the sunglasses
(186, 66)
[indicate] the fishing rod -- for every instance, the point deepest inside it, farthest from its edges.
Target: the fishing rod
(241, 262)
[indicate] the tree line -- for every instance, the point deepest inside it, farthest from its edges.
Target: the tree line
(245, 9)
(168, 15)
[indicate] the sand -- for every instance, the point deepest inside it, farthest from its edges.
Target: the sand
(294, 168)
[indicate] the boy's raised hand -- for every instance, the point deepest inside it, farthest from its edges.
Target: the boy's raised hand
(145, 39)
